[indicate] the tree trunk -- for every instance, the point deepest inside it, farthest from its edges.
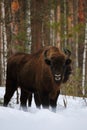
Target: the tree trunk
(76, 34)
(28, 23)
(8, 25)
(84, 61)
(3, 45)
(63, 5)
(57, 20)
(81, 35)
(65, 23)
(0, 44)
(46, 21)
(36, 24)
(18, 26)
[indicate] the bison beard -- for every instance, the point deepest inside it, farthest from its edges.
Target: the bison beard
(41, 73)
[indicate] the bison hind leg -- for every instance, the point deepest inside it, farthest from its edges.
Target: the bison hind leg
(10, 89)
(37, 100)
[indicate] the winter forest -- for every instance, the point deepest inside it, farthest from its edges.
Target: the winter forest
(28, 25)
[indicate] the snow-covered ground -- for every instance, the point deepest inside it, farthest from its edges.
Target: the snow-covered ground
(73, 117)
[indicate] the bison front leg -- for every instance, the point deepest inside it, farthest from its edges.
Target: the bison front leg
(23, 100)
(53, 102)
(45, 100)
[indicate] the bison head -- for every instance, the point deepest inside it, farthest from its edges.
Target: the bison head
(57, 60)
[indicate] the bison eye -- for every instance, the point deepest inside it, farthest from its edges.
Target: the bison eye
(47, 61)
(68, 61)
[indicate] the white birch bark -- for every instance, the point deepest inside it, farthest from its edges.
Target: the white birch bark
(2, 68)
(3, 44)
(84, 62)
(28, 26)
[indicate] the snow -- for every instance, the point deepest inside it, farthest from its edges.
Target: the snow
(73, 117)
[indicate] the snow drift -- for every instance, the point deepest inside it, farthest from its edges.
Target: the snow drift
(74, 117)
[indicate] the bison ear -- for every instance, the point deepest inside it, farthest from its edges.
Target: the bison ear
(47, 61)
(68, 61)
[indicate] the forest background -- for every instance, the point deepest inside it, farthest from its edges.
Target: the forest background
(28, 25)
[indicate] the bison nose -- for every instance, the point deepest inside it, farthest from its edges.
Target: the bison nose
(57, 77)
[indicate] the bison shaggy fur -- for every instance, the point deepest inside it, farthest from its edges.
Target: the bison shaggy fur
(41, 73)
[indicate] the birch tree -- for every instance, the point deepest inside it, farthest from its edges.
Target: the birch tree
(3, 45)
(84, 61)
(28, 23)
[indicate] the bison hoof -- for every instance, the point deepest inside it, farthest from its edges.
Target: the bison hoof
(24, 108)
(53, 109)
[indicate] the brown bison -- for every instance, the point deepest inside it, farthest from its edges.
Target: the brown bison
(40, 73)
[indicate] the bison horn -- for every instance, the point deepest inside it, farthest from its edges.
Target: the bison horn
(47, 60)
(67, 52)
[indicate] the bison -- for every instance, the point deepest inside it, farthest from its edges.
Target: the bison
(41, 73)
